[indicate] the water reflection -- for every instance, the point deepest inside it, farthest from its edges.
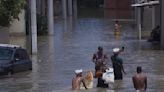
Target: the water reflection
(35, 76)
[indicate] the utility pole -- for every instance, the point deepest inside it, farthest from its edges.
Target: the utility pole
(50, 17)
(34, 27)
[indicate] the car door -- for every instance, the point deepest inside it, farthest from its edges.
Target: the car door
(21, 61)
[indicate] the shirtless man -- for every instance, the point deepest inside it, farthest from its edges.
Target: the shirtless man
(76, 81)
(100, 59)
(140, 81)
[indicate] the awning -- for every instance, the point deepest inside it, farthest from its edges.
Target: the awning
(150, 3)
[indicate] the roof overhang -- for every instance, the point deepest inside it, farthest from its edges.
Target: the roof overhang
(150, 3)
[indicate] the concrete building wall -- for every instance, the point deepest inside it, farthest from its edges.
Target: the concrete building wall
(118, 4)
(157, 15)
(4, 35)
(110, 4)
(148, 24)
(118, 9)
(147, 19)
(17, 27)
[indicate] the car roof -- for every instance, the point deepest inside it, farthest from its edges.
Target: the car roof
(10, 46)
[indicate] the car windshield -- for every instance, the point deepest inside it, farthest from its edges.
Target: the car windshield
(5, 53)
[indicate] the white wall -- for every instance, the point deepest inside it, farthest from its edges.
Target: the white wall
(4, 35)
(18, 26)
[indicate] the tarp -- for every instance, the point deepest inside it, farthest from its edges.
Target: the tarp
(108, 76)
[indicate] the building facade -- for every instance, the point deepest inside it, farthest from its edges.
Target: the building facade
(118, 9)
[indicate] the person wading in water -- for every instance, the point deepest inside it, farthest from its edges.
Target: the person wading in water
(99, 58)
(117, 30)
(140, 80)
(117, 64)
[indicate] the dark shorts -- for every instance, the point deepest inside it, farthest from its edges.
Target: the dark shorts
(101, 83)
(97, 68)
(118, 76)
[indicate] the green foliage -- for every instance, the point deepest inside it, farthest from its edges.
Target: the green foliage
(9, 10)
(41, 24)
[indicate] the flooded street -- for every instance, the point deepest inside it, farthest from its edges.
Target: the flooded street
(72, 47)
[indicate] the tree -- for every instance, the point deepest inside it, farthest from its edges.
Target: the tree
(10, 10)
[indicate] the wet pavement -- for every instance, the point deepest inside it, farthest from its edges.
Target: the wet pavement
(72, 47)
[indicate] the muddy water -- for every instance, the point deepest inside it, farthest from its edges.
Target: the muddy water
(71, 48)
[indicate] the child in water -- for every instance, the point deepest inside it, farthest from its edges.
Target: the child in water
(117, 28)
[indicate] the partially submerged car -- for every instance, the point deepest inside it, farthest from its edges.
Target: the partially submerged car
(13, 58)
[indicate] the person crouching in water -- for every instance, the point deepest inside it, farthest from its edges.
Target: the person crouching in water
(76, 81)
(88, 80)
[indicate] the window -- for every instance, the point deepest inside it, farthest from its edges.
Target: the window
(5, 53)
(21, 54)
